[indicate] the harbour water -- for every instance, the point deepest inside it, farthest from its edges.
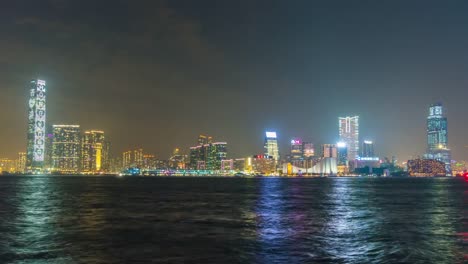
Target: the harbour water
(72, 219)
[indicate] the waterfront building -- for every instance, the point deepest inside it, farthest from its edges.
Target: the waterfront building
(227, 165)
(342, 154)
(36, 126)
(115, 165)
(133, 158)
(216, 152)
(263, 164)
(367, 149)
(7, 166)
(208, 156)
(369, 162)
(329, 151)
(95, 152)
(349, 133)
(177, 160)
(308, 150)
(66, 148)
(203, 140)
(426, 167)
(297, 149)
(342, 158)
(21, 162)
(437, 136)
(150, 162)
(240, 164)
(271, 145)
(127, 159)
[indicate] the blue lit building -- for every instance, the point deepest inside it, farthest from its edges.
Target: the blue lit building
(437, 136)
(271, 145)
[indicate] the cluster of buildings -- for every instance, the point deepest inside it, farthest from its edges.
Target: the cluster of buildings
(67, 149)
(60, 148)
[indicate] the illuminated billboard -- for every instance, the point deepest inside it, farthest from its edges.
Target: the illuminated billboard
(270, 134)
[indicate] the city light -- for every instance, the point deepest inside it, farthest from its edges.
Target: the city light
(270, 134)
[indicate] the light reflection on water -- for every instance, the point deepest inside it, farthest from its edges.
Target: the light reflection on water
(221, 220)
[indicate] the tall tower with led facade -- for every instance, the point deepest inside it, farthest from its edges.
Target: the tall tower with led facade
(349, 134)
(36, 126)
(271, 145)
(437, 136)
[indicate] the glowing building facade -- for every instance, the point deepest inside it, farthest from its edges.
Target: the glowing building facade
(21, 162)
(437, 136)
(342, 154)
(36, 126)
(329, 151)
(349, 133)
(297, 149)
(66, 148)
(95, 152)
(308, 150)
(367, 149)
(271, 145)
(208, 156)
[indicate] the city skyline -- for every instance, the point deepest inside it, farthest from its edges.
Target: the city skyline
(348, 131)
(160, 86)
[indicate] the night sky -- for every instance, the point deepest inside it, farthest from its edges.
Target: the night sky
(155, 74)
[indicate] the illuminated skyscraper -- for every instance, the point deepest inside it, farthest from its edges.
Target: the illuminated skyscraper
(21, 162)
(133, 158)
(297, 149)
(208, 156)
(436, 128)
(36, 126)
(437, 136)
(202, 140)
(349, 134)
(367, 149)
(95, 152)
(271, 145)
(329, 151)
(342, 154)
(308, 149)
(66, 148)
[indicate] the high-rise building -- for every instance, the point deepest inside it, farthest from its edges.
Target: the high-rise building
(349, 133)
(133, 158)
(271, 145)
(308, 150)
(177, 160)
(437, 136)
(216, 153)
(342, 154)
(36, 126)
(127, 159)
(297, 149)
(21, 162)
(367, 149)
(95, 152)
(150, 162)
(329, 151)
(436, 128)
(208, 156)
(202, 140)
(66, 148)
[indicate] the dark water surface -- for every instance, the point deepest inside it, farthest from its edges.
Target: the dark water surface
(232, 220)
